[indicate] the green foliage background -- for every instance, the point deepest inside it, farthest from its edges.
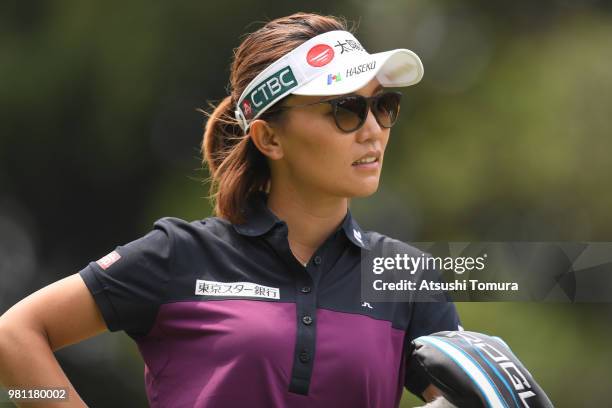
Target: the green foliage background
(506, 138)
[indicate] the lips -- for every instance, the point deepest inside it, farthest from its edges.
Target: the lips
(370, 157)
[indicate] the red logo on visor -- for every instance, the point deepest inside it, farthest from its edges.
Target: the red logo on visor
(246, 108)
(320, 55)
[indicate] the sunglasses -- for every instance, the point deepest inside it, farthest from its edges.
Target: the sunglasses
(350, 112)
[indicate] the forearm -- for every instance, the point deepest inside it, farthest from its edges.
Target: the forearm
(27, 361)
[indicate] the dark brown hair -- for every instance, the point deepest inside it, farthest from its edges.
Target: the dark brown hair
(237, 168)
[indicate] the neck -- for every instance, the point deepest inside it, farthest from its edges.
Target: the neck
(310, 218)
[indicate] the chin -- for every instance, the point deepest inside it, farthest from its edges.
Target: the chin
(365, 190)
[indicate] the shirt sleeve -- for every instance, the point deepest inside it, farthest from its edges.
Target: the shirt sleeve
(437, 314)
(128, 284)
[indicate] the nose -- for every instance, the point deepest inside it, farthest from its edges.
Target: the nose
(370, 129)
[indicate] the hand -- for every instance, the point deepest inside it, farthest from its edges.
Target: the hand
(439, 402)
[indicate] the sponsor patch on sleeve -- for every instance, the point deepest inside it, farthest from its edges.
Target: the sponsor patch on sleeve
(106, 261)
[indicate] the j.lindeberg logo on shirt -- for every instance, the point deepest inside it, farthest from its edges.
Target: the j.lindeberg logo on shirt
(241, 289)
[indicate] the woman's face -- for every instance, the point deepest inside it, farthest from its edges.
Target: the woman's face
(317, 157)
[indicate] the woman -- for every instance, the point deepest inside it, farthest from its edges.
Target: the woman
(259, 305)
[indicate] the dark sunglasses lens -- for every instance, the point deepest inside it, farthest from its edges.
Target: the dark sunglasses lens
(350, 113)
(386, 108)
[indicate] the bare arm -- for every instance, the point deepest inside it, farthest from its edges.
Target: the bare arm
(58, 315)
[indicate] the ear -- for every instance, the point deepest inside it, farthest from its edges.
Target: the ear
(266, 139)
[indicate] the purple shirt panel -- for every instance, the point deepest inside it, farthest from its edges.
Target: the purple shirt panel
(230, 353)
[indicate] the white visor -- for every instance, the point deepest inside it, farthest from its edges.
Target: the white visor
(332, 63)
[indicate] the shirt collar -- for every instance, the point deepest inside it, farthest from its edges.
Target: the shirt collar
(259, 220)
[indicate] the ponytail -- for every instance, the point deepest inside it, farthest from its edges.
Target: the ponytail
(237, 168)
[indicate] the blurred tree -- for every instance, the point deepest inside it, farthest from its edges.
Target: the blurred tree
(506, 138)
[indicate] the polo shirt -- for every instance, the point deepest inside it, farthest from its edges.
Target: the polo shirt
(224, 315)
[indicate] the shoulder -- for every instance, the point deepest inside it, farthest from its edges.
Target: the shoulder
(182, 231)
(384, 244)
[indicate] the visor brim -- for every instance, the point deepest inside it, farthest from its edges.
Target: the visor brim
(395, 68)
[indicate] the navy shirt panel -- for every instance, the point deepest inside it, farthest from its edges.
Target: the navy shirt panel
(209, 250)
(417, 318)
(129, 289)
